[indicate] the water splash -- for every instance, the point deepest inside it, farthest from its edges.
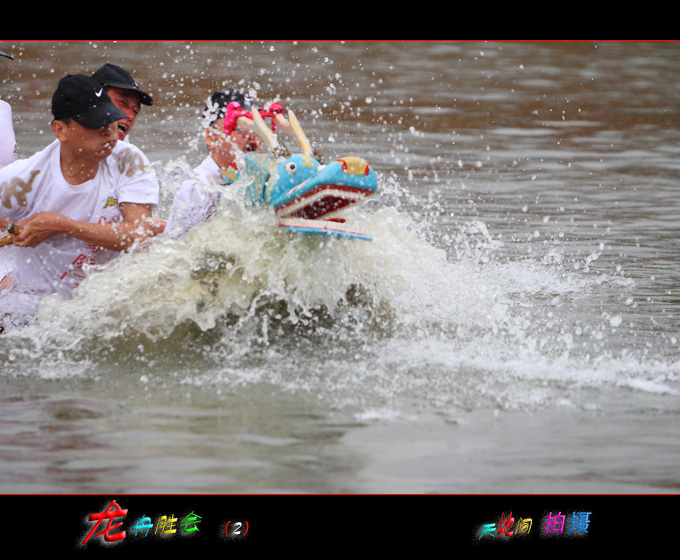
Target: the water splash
(241, 301)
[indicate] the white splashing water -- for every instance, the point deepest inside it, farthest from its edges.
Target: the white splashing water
(354, 321)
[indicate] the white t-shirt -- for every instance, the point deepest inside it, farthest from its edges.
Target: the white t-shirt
(8, 143)
(36, 184)
(195, 200)
(8, 154)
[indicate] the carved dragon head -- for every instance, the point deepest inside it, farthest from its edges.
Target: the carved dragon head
(307, 195)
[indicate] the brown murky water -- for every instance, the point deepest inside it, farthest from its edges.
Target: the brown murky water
(522, 281)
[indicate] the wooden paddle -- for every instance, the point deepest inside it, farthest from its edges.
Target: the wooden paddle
(12, 230)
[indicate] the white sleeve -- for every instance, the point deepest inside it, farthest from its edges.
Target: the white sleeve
(190, 206)
(139, 184)
(8, 143)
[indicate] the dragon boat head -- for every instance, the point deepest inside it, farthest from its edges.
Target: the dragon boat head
(307, 195)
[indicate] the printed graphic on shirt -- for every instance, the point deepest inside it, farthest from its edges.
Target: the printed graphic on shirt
(18, 189)
(75, 273)
(129, 163)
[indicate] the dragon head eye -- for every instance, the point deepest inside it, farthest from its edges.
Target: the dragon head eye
(291, 167)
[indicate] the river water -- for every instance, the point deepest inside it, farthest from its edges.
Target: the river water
(511, 328)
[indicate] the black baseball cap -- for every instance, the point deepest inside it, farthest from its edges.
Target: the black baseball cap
(111, 75)
(220, 99)
(83, 99)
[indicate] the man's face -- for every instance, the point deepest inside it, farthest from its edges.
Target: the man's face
(246, 141)
(224, 148)
(90, 143)
(128, 102)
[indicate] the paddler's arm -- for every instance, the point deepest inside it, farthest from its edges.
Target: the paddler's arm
(4, 223)
(138, 224)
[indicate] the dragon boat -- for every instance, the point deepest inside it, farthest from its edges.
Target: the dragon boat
(308, 195)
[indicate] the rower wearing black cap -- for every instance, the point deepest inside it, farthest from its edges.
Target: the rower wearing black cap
(77, 203)
(125, 94)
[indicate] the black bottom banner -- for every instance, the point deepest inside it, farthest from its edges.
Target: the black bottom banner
(102, 524)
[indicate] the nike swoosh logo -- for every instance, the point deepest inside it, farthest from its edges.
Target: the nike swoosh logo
(99, 93)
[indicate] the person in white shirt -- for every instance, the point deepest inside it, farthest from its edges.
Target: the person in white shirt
(196, 198)
(8, 154)
(79, 202)
(125, 94)
(8, 143)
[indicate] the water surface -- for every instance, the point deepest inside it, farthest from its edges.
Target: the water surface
(517, 310)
